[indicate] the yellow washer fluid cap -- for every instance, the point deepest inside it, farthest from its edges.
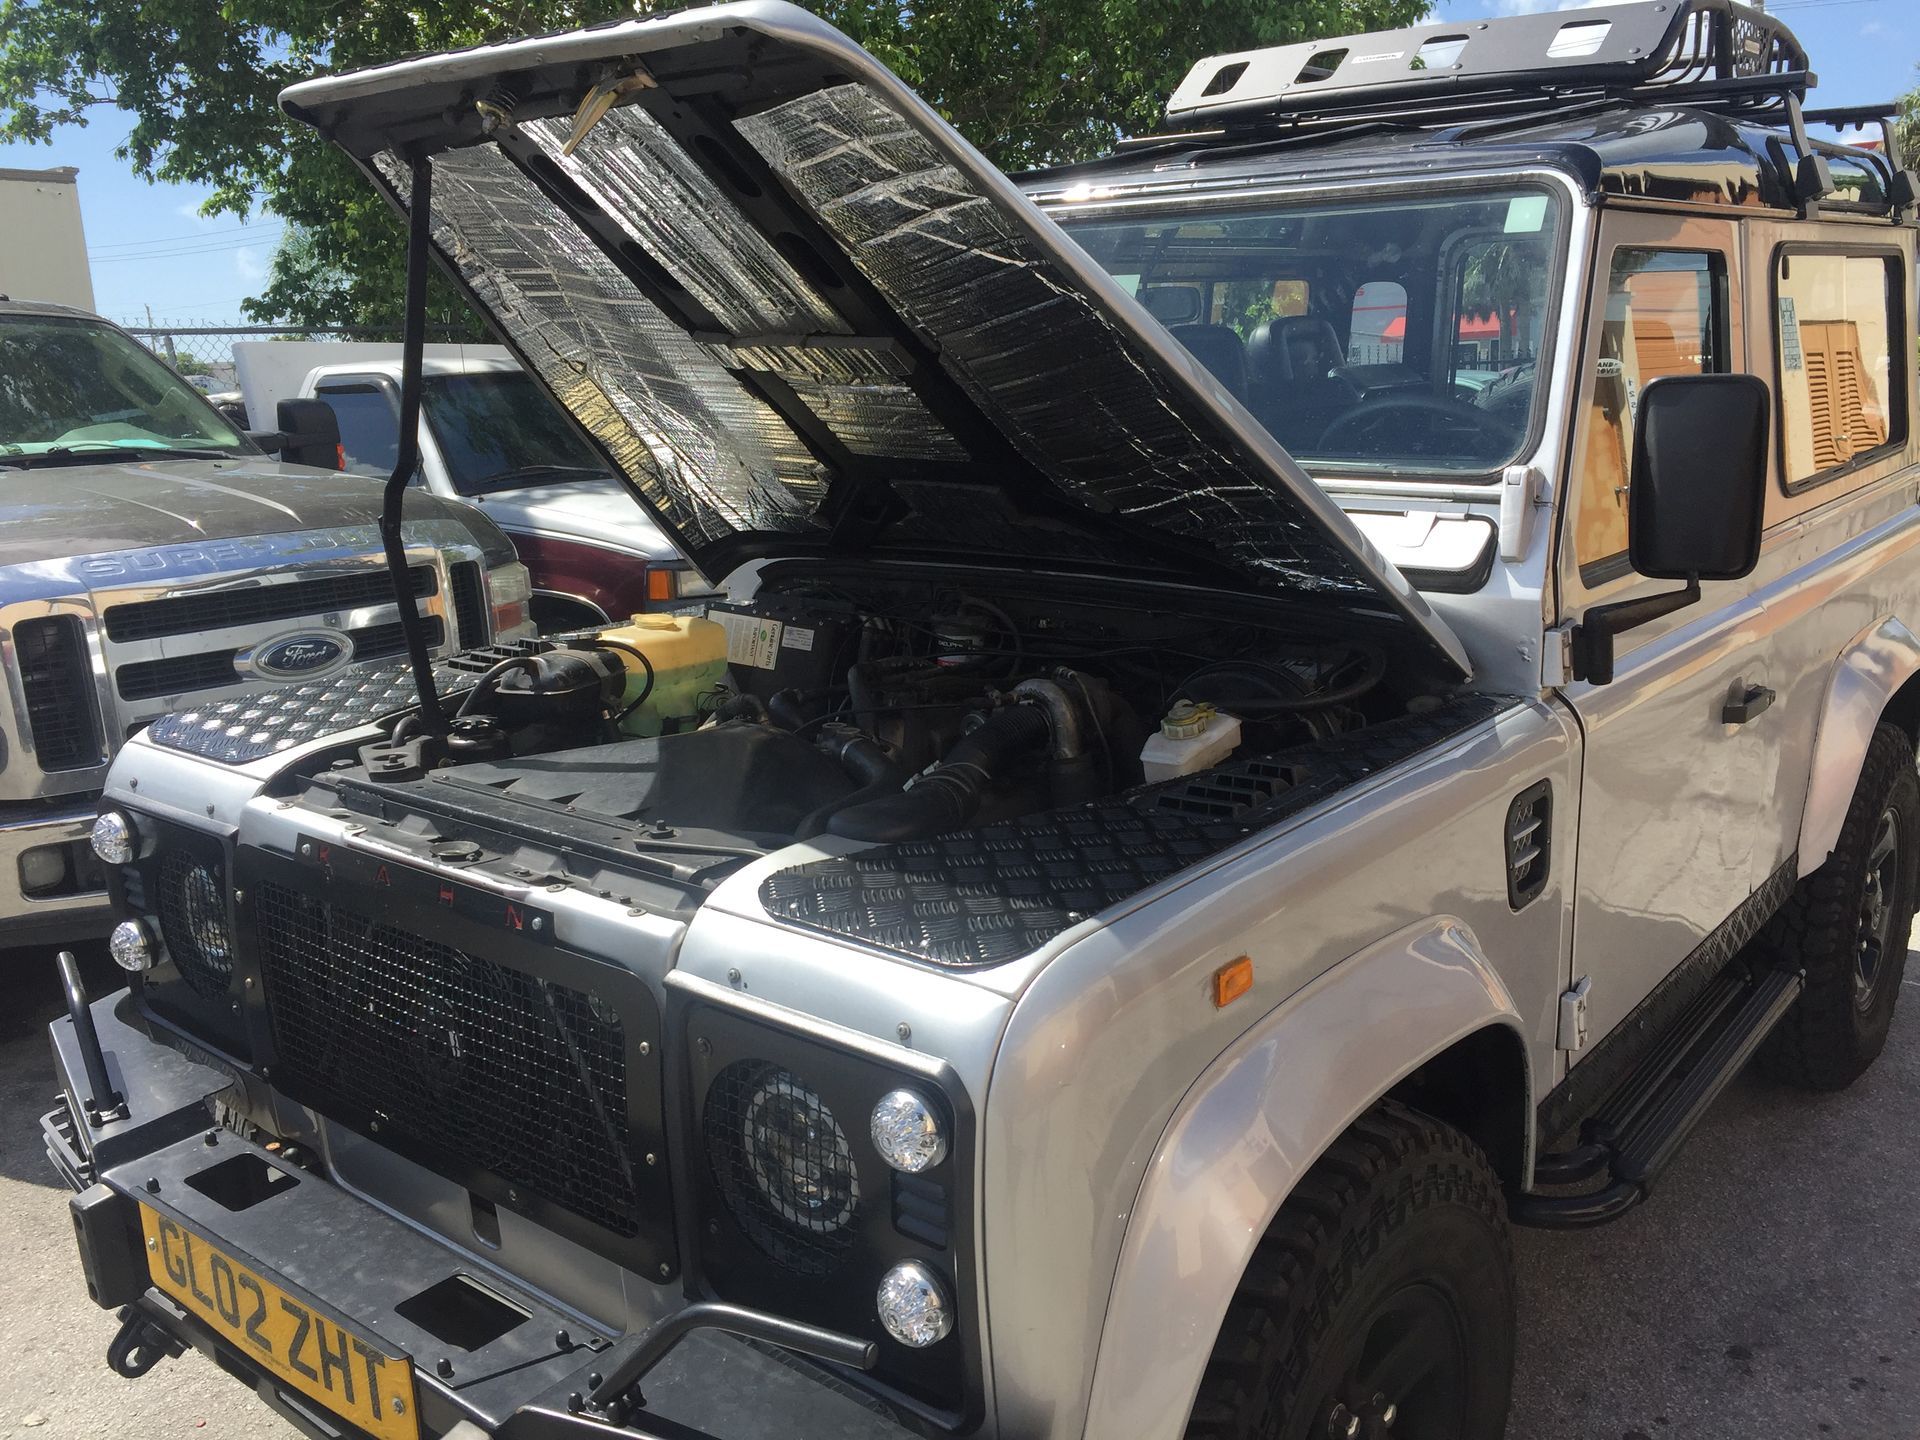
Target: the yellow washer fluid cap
(689, 657)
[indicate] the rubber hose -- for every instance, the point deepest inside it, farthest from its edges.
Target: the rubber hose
(946, 796)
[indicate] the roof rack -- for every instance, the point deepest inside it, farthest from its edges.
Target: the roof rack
(1715, 52)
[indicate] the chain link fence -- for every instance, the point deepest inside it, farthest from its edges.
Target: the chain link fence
(204, 353)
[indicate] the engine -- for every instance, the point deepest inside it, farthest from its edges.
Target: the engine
(874, 715)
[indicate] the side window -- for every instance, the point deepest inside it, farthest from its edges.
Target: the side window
(1666, 315)
(369, 425)
(1838, 318)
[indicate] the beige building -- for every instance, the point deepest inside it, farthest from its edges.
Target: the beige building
(44, 253)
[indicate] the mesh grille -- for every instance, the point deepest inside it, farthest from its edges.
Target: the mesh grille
(470, 1063)
(469, 605)
(58, 687)
(783, 1166)
(194, 924)
(188, 614)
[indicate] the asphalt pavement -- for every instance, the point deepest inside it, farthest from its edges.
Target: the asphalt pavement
(1771, 1289)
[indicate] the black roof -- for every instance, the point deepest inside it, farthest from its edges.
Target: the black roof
(1673, 153)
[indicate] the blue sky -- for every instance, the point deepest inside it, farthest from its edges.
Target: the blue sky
(149, 246)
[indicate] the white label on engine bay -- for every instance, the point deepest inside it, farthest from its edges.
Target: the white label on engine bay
(798, 637)
(752, 640)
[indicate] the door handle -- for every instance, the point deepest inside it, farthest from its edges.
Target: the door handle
(1745, 703)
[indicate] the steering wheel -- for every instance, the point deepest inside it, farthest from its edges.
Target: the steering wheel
(1416, 423)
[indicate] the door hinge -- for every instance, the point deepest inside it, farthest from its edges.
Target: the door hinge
(1521, 493)
(1556, 657)
(1573, 1016)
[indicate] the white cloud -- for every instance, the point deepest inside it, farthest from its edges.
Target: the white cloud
(1540, 7)
(249, 263)
(1872, 28)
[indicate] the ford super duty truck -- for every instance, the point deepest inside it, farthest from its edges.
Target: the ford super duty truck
(154, 560)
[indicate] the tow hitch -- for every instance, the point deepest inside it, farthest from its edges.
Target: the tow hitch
(139, 1345)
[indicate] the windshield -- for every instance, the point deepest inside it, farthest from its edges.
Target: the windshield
(497, 431)
(73, 390)
(1392, 334)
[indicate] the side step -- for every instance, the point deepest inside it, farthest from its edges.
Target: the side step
(1630, 1138)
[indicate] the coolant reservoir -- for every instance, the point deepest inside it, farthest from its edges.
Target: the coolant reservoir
(1191, 737)
(689, 657)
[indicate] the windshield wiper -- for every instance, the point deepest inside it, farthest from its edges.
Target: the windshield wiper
(79, 454)
(521, 473)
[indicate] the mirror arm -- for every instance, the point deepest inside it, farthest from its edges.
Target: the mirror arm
(1593, 636)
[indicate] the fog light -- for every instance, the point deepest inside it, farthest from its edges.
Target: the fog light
(914, 1307)
(132, 947)
(43, 868)
(114, 838)
(907, 1133)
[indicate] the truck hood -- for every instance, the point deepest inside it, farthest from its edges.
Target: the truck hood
(57, 512)
(594, 512)
(802, 316)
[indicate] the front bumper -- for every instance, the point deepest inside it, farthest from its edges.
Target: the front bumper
(74, 908)
(359, 1264)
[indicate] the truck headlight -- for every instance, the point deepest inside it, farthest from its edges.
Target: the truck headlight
(114, 838)
(907, 1132)
(914, 1305)
(509, 588)
(132, 947)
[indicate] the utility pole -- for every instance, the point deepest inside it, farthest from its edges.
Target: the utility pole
(172, 359)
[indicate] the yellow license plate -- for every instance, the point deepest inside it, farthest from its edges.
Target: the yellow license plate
(360, 1382)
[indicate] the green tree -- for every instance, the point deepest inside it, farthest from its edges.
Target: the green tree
(1907, 128)
(1029, 81)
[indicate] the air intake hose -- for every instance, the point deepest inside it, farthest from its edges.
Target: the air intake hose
(946, 796)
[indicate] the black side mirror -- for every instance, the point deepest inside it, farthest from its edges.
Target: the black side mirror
(1696, 504)
(310, 433)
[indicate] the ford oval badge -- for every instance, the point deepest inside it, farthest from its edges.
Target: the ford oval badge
(299, 657)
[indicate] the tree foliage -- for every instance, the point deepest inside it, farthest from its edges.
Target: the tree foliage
(1028, 81)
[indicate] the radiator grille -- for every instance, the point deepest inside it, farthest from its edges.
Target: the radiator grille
(469, 605)
(469, 1062)
(57, 684)
(213, 610)
(214, 669)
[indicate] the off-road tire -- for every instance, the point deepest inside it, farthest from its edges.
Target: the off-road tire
(1835, 1030)
(1401, 1204)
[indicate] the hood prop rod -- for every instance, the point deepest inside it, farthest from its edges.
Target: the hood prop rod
(413, 339)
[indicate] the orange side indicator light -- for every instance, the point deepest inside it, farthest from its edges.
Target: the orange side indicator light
(1231, 981)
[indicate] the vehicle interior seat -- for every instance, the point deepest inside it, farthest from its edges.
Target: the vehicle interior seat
(1220, 349)
(1291, 360)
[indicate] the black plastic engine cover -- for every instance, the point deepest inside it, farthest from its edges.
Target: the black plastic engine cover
(740, 779)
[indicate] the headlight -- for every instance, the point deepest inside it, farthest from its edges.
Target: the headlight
(114, 838)
(131, 946)
(914, 1306)
(509, 587)
(783, 1164)
(907, 1133)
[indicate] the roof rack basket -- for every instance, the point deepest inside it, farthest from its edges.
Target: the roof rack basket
(1711, 53)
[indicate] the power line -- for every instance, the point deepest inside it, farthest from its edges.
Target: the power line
(176, 239)
(225, 247)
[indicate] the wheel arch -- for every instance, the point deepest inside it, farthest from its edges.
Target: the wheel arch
(1877, 677)
(1264, 1113)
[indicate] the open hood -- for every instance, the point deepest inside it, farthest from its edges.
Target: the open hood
(802, 316)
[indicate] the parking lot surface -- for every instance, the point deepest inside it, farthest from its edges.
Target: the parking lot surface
(1770, 1290)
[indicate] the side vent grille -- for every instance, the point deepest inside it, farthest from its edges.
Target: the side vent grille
(57, 684)
(1529, 843)
(469, 604)
(921, 1210)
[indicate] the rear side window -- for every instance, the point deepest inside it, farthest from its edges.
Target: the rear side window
(1666, 315)
(369, 426)
(1839, 345)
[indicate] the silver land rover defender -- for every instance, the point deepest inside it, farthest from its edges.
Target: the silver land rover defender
(1287, 700)
(154, 560)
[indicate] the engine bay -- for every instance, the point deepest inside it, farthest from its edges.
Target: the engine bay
(875, 711)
